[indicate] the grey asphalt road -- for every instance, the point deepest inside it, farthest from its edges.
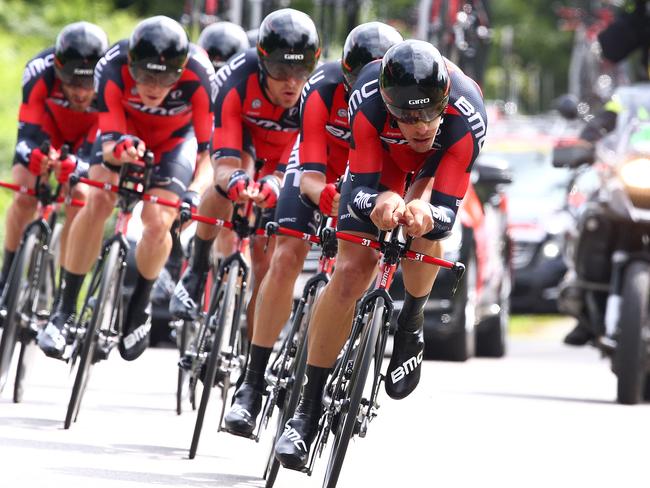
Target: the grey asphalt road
(544, 416)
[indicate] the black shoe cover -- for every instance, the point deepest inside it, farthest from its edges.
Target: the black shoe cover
(292, 448)
(242, 416)
(403, 373)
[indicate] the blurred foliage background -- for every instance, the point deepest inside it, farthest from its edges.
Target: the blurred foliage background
(535, 68)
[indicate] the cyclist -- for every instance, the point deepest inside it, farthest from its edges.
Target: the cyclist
(58, 105)
(257, 118)
(222, 40)
(154, 91)
(396, 112)
(309, 190)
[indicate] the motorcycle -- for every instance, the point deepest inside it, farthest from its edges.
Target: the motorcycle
(608, 290)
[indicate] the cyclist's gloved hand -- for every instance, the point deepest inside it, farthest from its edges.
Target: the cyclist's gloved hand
(191, 200)
(128, 148)
(38, 162)
(329, 200)
(65, 168)
(237, 185)
(268, 191)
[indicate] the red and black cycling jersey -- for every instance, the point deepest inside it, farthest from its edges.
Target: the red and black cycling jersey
(243, 110)
(45, 113)
(324, 110)
(189, 103)
(377, 140)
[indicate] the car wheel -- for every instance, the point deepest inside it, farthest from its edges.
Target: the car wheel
(459, 344)
(492, 331)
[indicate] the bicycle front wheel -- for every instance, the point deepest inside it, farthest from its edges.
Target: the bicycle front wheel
(220, 317)
(17, 291)
(99, 312)
(349, 416)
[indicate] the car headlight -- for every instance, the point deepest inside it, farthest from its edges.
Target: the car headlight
(636, 173)
(551, 249)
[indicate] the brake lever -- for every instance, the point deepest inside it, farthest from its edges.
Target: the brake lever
(459, 271)
(270, 229)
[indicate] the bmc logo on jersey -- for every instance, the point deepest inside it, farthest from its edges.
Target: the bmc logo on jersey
(474, 118)
(269, 124)
(294, 57)
(226, 70)
(339, 133)
(112, 53)
(37, 66)
(159, 110)
(366, 91)
(419, 101)
(315, 78)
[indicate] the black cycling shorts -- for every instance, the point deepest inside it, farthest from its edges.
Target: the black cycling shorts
(294, 210)
(175, 160)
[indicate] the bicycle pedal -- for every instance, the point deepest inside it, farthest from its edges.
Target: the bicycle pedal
(185, 363)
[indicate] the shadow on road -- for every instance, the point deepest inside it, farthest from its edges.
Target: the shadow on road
(199, 480)
(153, 452)
(550, 398)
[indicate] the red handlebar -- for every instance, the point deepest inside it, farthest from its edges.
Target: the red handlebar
(30, 191)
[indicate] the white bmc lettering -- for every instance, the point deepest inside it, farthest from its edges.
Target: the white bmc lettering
(419, 101)
(406, 368)
(36, 66)
(99, 67)
(362, 200)
(337, 132)
(359, 95)
(226, 70)
(475, 119)
(315, 78)
(159, 110)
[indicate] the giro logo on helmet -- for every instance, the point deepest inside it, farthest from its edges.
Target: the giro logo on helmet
(419, 101)
(156, 67)
(84, 71)
(294, 57)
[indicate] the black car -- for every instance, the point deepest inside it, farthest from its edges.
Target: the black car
(538, 224)
(474, 320)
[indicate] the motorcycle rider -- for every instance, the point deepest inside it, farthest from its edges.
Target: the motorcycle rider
(629, 32)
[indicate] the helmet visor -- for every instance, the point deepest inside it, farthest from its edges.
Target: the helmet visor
(285, 71)
(413, 116)
(145, 76)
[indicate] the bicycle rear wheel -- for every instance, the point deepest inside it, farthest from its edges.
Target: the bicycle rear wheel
(98, 313)
(349, 416)
(18, 290)
(219, 316)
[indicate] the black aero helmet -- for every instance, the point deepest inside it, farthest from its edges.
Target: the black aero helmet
(288, 45)
(76, 52)
(158, 50)
(414, 81)
(221, 40)
(365, 43)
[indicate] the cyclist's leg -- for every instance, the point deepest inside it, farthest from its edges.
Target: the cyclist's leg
(183, 303)
(403, 373)
(79, 192)
(84, 243)
(273, 306)
(169, 180)
(328, 330)
(20, 213)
